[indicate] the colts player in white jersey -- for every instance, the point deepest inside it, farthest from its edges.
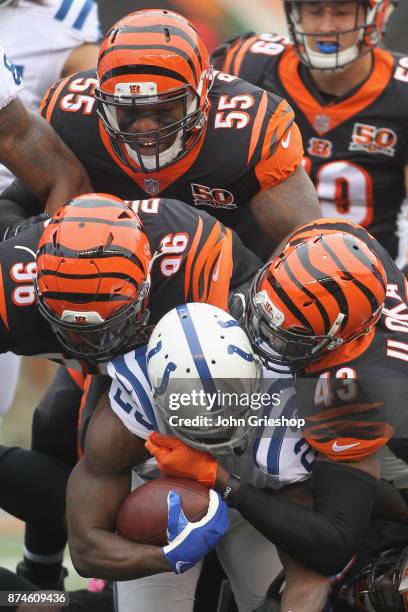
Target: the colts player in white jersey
(48, 39)
(194, 347)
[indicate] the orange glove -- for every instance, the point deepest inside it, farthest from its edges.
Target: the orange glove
(175, 458)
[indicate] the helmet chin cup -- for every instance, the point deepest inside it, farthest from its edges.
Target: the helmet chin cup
(329, 57)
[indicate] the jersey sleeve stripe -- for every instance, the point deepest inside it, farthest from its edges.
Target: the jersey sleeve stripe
(205, 260)
(63, 10)
(82, 405)
(258, 123)
(191, 255)
(221, 277)
(229, 59)
(341, 411)
(84, 12)
(239, 58)
(77, 376)
(363, 449)
(276, 129)
(279, 161)
(3, 307)
(53, 100)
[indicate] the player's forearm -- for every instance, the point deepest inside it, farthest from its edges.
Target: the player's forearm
(325, 537)
(71, 181)
(62, 173)
(100, 554)
(283, 208)
(34, 152)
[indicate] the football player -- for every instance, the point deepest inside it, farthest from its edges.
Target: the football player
(194, 347)
(332, 307)
(155, 119)
(198, 349)
(32, 150)
(47, 40)
(179, 253)
(199, 260)
(349, 97)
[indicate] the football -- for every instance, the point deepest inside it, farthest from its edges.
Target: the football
(142, 516)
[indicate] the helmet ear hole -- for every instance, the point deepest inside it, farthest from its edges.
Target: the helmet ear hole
(54, 239)
(125, 215)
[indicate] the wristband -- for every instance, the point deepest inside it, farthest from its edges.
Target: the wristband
(230, 489)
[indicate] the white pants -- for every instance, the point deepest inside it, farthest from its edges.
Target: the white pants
(9, 371)
(250, 561)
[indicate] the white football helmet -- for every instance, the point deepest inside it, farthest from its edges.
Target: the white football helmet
(200, 351)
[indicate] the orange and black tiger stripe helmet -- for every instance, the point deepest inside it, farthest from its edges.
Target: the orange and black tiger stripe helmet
(93, 276)
(321, 291)
(147, 59)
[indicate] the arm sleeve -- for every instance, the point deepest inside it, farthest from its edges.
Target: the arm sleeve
(326, 536)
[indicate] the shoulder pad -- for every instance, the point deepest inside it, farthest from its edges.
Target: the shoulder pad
(249, 56)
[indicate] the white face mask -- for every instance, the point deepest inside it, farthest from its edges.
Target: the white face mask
(329, 61)
(165, 157)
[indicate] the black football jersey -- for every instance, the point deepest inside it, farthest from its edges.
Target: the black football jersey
(199, 260)
(239, 154)
(356, 146)
(356, 398)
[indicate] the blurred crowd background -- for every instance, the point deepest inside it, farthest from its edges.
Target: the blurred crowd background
(216, 20)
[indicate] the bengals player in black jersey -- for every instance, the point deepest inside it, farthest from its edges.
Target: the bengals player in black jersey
(349, 98)
(155, 119)
(333, 307)
(197, 259)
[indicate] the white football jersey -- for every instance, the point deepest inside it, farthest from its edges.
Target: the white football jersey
(39, 39)
(11, 82)
(279, 456)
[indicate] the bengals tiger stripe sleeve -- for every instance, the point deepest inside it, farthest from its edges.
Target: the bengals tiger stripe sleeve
(350, 409)
(282, 148)
(202, 260)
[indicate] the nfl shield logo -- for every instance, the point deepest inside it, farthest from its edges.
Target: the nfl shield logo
(322, 123)
(151, 186)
